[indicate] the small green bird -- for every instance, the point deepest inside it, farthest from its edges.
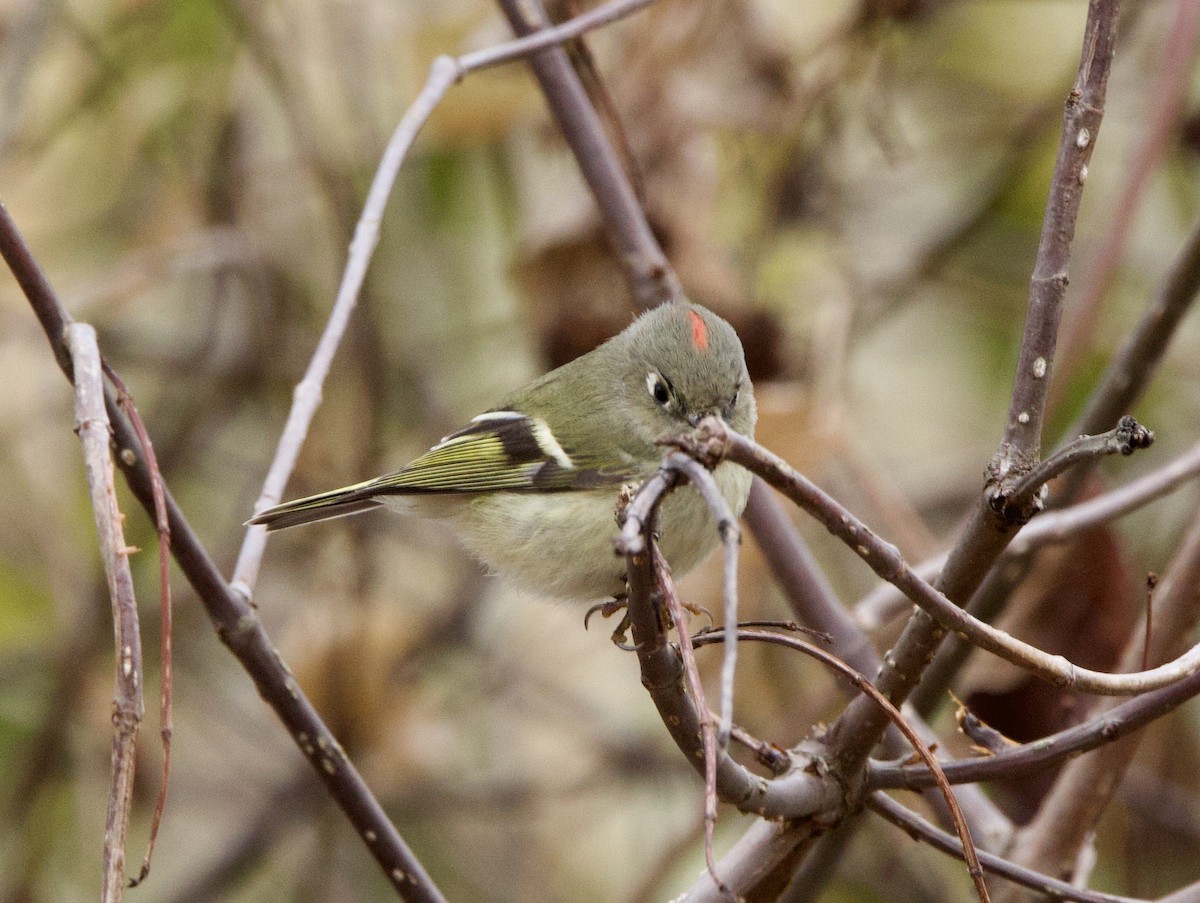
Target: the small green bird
(532, 484)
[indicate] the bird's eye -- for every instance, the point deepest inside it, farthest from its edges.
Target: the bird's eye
(659, 388)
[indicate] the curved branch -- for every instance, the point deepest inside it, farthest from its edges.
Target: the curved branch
(794, 795)
(444, 73)
(1120, 721)
(235, 621)
(886, 560)
(865, 686)
(919, 829)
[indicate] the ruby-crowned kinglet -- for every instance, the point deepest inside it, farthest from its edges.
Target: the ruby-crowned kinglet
(532, 484)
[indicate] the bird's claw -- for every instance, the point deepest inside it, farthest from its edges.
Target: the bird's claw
(607, 609)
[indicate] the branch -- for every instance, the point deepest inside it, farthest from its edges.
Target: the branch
(893, 713)
(1023, 500)
(731, 539)
(91, 423)
(1081, 123)
(163, 528)
(444, 73)
(234, 619)
(650, 277)
(886, 601)
(802, 582)
(798, 793)
(885, 560)
(985, 535)
(1105, 727)
(919, 829)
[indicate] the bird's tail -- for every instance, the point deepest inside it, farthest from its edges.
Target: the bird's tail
(327, 505)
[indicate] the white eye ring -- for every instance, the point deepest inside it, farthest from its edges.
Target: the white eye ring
(659, 389)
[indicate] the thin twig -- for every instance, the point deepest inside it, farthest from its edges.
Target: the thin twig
(708, 734)
(1105, 727)
(893, 713)
(885, 560)
(1025, 497)
(550, 36)
(444, 73)
(92, 425)
(886, 601)
(919, 829)
(796, 794)
(1061, 525)
(307, 396)
(235, 621)
(731, 537)
(163, 527)
(1081, 123)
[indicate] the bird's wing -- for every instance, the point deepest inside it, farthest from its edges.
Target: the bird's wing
(501, 451)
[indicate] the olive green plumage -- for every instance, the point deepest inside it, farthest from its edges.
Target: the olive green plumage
(532, 484)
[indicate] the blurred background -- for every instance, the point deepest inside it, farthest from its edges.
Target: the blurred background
(857, 186)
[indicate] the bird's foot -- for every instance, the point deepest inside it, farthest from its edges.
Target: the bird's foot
(607, 609)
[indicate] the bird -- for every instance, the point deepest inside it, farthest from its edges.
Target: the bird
(531, 485)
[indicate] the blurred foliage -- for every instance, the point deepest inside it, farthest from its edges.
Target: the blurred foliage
(858, 186)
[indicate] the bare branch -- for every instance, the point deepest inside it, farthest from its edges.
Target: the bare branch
(163, 527)
(919, 829)
(886, 601)
(1104, 727)
(444, 73)
(796, 794)
(731, 539)
(893, 713)
(1048, 285)
(806, 588)
(651, 279)
(92, 425)
(550, 36)
(1025, 498)
(985, 535)
(886, 561)
(234, 619)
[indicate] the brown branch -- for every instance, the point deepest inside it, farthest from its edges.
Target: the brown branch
(885, 560)
(804, 585)
(919, 829)
(1165, 101)
(1105, 727)
(163, 528)
(1020, 502)
(92, 425)
(886, 601)
(794, 795)
(235, 621)
(893, 713)
(985, 535)
(731, 539)
(650, 277)
(1048, 285)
